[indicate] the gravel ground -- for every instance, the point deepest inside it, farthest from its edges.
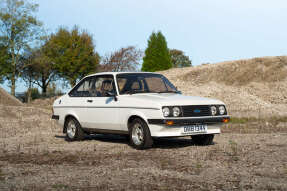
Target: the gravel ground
(250, 154)
(35, 156)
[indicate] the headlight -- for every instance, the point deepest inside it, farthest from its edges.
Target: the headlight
(176, 111)
(213, 110)
(221, 110)
(165, 111)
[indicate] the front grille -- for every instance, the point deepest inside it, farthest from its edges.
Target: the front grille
(196, 110)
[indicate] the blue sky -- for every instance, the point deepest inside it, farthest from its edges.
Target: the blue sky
(206, 30)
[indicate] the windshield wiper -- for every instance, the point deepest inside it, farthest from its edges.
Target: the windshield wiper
(130, 92)
(169, 91)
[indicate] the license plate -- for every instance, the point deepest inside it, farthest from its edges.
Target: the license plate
(194, 129)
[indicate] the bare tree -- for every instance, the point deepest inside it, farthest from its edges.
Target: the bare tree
(124, 59)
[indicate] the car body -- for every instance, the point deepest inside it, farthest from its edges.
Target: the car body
(110, 102)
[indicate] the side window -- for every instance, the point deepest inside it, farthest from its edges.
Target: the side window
(121, 84)
(104, 86)
(83, 89)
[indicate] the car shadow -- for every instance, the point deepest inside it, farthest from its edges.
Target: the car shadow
(169, 143)
(102, 137)
(159, 143)
(60, 136)
(109, 138)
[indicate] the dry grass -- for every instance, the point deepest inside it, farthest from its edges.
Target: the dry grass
(241, 72)
(255, 87)
(7, 99)
(252, 125)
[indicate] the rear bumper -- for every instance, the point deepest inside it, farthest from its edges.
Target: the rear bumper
(56, 117)
(190, 121)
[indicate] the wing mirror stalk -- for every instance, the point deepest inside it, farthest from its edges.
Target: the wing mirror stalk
(112, 94)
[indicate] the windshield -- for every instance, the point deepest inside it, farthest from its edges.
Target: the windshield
(144, 83)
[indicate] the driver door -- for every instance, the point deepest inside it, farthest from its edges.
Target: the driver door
(102, 109)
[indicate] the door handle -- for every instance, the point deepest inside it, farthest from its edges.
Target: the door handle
(89, 100)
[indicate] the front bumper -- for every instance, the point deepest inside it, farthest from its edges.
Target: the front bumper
(159, 127)
(190, 121)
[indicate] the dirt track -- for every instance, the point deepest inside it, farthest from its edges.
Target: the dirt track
(35, 156)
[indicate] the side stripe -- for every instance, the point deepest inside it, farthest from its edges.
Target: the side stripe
(152, 108)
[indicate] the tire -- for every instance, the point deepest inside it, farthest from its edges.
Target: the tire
(202, 139)
(74, 130)
(140, 137)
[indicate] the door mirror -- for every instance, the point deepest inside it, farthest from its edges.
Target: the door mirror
(112, 94)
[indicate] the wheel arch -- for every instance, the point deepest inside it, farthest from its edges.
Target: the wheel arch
(65, 121)
(133, 117)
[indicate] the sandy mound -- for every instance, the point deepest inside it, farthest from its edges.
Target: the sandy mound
(43, 103)
(255, 87)
(8, 100)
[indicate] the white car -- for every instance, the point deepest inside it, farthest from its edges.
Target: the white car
(139, 105)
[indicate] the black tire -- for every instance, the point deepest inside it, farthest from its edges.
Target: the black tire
(202, 139)
(79, 134)
(146, 139)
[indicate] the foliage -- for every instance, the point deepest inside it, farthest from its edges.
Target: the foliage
(18, 29)
(4, 58)
(157, 55)
(178, 59)
(40, 69)
(124, 59)
(35, 94)
(73, 54)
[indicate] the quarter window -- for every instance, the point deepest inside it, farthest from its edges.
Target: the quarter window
(83, 88)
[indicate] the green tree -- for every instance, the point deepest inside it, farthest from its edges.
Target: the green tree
(4, 59)
(178, 59)
(28, 77)
(34, 94)
(40, 69)
(18, 29)
(73, 54)
(157, 55)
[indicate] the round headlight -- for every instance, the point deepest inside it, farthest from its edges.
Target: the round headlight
(221, 110)
(176, 111)
(213, 110)
(165, 111)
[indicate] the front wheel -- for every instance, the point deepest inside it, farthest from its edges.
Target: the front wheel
(74, 130)
(140, 137)
(202, 139)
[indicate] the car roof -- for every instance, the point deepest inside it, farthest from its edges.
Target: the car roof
(115, 73)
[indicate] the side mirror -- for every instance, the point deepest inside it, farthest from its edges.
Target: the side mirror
(112, 94)
(177, 91)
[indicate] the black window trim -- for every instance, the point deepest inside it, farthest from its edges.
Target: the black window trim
(94, 76)
(77, 86)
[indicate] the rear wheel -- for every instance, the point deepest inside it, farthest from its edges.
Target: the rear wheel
(74, 130)
(140, 137)
(202, 139)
